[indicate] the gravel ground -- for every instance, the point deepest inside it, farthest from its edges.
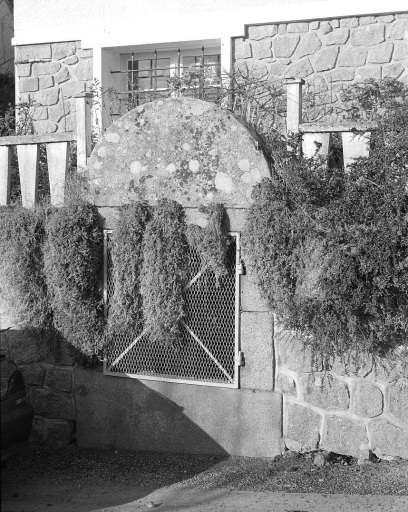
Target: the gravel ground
(295, 474)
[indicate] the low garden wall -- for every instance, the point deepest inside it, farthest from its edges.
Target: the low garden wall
(352, 411)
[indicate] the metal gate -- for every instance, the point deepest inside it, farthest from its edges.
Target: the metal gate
(208, 351)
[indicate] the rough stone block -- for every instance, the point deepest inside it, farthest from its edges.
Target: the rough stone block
(398, 30)
(325, 27)
(277, 69)
(52, 404)
(282, 28)
(285, 46)
(84, 53)
(368, 72)
(58, 111)
(324, 392)
(262, 31)
(401, 50)
(309, 44)
(302, 428)
(387, 439)
(368, 35)
(286, 385)
(386, 19)
(47, 96)
(338, 36)
(349, 22)
(28, 84)
(73, 59)
(257, 345)
(291, 351)
(23, 69)
(326, 59)
(314, 25)
(62, 50)
(367, 20)
(394, 70)
(242, 49)
(261, 49)
(345, 436)
(40, 113)
(381, 54)
(367, 400)
(335, 23)
(33, 374)
(63, 75)
(59, 379)
(42, 127)
(45, 68)
(297, 27)
(301, 69)
(54, 434)
(341, 75)
(84, 70)
(33, 52)
(392, 368)
(165, 416)
(398, 401)
(25, 346)
(70, 89)
(46, 82)
(352, 57)
(258, 69)
(251, 299)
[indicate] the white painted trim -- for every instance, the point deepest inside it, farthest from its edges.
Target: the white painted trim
(192, 26)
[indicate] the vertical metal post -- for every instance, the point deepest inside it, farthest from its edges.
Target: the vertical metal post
(132, 77)
(178, 62)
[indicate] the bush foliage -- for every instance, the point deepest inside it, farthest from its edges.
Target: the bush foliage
(330, 248)
(164, 272)
(125, 307)
(73, 259)
(22, 279)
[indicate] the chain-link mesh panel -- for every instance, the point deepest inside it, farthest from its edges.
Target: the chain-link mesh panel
(205, 351)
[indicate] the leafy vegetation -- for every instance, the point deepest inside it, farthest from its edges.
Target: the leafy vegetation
(330, 248)
(164, 272)
(73, 258)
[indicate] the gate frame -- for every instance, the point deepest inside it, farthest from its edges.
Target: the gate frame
(237, 331)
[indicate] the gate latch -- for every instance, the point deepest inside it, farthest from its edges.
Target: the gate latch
(240, 268)
(241, 358)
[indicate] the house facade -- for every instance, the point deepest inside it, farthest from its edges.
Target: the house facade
(65, 48)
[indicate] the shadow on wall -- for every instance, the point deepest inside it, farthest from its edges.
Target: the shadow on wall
(126, 414)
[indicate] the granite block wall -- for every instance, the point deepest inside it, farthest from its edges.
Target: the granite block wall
(357, 411)
(51, 74)
(328, 53)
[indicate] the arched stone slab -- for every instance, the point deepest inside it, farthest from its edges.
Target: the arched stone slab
(184, 149)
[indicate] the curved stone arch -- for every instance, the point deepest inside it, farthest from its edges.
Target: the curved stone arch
(184, 149)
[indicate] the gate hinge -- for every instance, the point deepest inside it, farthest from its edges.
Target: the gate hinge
(241, 358)
(240, 268)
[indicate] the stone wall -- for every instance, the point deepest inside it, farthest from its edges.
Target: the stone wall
(334, 51)
(51, 74)
(352, 411)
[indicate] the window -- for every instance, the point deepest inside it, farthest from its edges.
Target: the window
(208, 351)
(145, 75)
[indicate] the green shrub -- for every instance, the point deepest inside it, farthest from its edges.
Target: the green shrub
(330, 249)
(22, 280)
(125, 306)
(73, 259)
(211, 242)
(164, 272)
